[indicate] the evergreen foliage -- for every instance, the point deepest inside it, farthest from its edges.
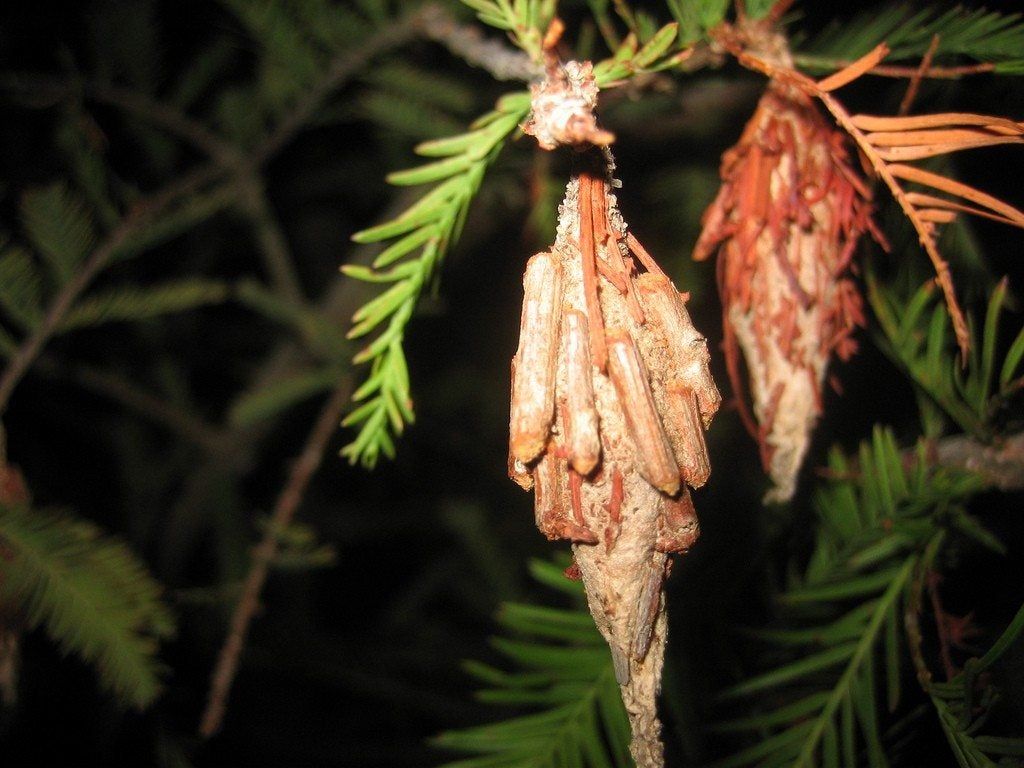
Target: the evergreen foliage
(566, 671)
(90, 594)
(190, 211)
(916, 334)
(964, 704)
(977, 34)
(425, 232)
(839, 624)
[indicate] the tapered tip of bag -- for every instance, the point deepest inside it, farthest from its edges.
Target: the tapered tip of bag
(780, 494)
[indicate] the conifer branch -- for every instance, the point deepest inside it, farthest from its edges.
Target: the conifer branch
(91, 594)
(838, 625)
(933, 72)
(141, 215)
(241, 441)
(284, 511)
(129, 394)
(991, 38)
(145, 211)
(1000, 465)
(347, 64)
(271, 240)
(136, 103)
(500, 61)
(964, 701)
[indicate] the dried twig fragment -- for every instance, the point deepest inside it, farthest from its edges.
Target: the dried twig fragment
(583, 438)
(648, 607)
(691, 391)
(556, 502)
(654, 457)
(679, 525)
(533, 387)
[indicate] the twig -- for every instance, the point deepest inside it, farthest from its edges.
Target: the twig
(166, 116)
(10, 656)
(341, 69)
(927, 240)
(913, 607)
(942, 629)
(140, 215)
(499, 60)
(284, 510)
(140, 104)
(897, 71)
(270, 239)
(915, 80)
(777, 11)
(129, 394)
(1000, 464)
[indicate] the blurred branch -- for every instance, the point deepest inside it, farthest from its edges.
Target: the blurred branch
(499, 60)
(225, 159)
(344, 67)
(141, 214)
(168, 117)
(185, 519)
(895, 70)
(271, 241)
(284, 510)
(129, 394)
(1000, 464)
(141, 105)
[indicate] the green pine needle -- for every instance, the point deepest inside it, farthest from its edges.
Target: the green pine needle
(424, 234)
(20, 288)
(524, 20)
(179, 220)
(59, 227)
(696, 17)
(90, 593)
(320, 334)
(566, 673)
(262, 404)
(839, 627)
(915, 333)
(977, 34)
(133, 304)
(964, 704)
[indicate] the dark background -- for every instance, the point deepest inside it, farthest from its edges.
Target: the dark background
(358, 663)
